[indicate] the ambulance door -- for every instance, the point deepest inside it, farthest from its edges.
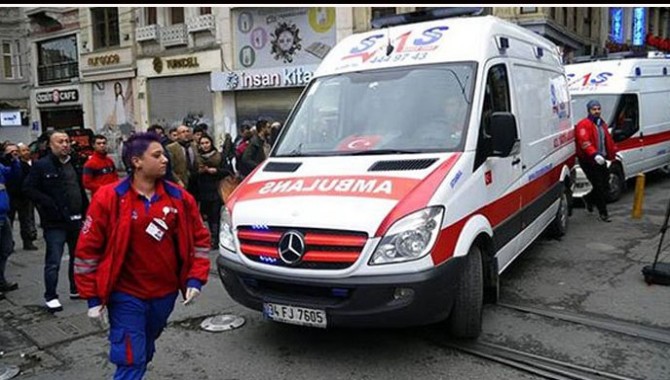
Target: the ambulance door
(499, 176)
(628, 136)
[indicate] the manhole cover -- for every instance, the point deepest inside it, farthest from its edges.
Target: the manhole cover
(8, 372)
(222, 322)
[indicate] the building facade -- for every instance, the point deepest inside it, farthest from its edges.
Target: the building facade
(14, 75)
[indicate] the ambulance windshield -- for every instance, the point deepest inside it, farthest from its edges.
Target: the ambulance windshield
(400, 110)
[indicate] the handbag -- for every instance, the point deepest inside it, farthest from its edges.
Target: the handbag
(227, 185)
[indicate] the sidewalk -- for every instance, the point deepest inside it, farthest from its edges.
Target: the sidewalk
(31, 337)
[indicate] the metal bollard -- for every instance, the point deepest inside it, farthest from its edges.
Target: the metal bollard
(639, 196)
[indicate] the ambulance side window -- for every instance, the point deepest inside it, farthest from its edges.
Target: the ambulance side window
(626, 121)
(496, 99)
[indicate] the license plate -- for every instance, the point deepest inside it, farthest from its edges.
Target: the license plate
(295, 315)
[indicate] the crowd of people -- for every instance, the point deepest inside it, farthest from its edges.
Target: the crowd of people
(136, 235)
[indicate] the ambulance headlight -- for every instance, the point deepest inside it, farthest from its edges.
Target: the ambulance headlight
(410, 238)
(226, 236)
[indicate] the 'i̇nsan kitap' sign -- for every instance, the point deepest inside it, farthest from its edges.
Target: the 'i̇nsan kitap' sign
(256, 79)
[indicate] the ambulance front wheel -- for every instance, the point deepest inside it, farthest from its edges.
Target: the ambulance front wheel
(616, 183)
(559, 226)
(465, 320)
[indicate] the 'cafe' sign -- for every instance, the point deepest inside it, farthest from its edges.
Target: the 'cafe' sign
(57, 96)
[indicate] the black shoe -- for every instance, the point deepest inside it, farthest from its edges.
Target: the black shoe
(589, 206)
(8, 286)
(75, 296)
(29, 246)
(605, 218)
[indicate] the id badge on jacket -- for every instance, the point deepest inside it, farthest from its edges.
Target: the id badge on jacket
(157, 229)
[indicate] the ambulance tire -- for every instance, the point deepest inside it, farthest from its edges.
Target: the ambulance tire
(465, 320)
(617, 184)
(559, 226)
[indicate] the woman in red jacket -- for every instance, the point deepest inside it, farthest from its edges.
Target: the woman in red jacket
(143, 240)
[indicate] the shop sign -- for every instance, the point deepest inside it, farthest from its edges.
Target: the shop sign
(104, 60)
(10, 118)
(182, 63)
(296, 76)
(57, 96)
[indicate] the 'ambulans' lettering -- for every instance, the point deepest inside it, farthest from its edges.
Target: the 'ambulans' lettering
(328, 185)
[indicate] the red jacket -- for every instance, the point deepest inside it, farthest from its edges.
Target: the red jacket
(586, 138)
(98, 170)
(103, 241)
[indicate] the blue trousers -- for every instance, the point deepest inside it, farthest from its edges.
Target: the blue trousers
(134, 326)
(56, 239)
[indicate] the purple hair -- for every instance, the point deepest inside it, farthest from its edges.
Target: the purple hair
(136, 145)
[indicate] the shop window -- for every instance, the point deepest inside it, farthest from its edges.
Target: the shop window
(57, 60)
(11, 60)
(176, 15)
(378, 12)
(150, 16)
(105, 27)
(496, 99)
(205, 10)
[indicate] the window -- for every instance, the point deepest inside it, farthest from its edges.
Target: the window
(176, 15)
(552, 12)
(588, 16)
(150, 16)
(496, 99)
(564, 16)
(105, 27)
(525, 10)
(11, 60)
(205, 10)
(574, 19)
(57, 60)
(625, 122)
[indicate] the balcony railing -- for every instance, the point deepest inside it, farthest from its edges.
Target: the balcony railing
(173, 35)
(200, 23)
(60, 72)
(147, 33)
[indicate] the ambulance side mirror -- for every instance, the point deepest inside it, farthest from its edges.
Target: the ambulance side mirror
(504, 136)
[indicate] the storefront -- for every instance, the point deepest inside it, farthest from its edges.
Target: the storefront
(109, 101)
(59, 108)
(176, 89)
(275, 51)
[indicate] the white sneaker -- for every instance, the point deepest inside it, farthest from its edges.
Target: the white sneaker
(54, 305)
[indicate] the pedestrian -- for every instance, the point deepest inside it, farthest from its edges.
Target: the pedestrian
(20, 204)
(256, 151)
(594, 147)
(59, 196)
(9, 168)
(183, 155)
(143, 240)
(99, 169)
(213, 168)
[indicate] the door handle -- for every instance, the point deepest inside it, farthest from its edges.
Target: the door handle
(516, 161)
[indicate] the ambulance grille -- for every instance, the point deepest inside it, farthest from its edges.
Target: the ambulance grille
(274, 166)
(399, 165)
(324, 249)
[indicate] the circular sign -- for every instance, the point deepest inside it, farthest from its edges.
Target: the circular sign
(247, 56)
(245, 22)
(321, 19)
(259, 37)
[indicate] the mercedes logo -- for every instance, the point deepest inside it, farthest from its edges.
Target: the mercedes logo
(291, 247)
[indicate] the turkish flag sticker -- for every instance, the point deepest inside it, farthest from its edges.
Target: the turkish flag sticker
(355, 143)
(488, 177)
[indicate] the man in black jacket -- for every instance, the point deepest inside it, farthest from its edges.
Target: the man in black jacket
(257, 150)
(20, 204)
(55, 187)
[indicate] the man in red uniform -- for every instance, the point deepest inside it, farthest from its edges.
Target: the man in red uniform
(594, 147)
(99, 169)
(143, 240)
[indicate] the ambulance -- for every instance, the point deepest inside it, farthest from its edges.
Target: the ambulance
(417, 165)
(634, 94)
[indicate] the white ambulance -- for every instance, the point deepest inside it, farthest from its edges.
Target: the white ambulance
(419, 162)
(634, 94)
